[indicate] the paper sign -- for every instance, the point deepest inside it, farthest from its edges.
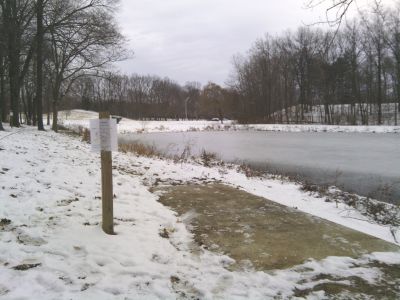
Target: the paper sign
(103, 135)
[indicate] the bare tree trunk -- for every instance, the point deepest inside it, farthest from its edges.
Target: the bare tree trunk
(56, 96)
(13, 57)
(54, 126)
(39, 64)
(25, 107)
(48, 106)
(2, 92)
(379, 74)
(327, 114)
(34, 115)
(398, 85)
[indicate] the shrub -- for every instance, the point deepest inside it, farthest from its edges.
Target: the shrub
(313, 188)
(140, 149)
(85, 135)
(207, 158)
(249, 171)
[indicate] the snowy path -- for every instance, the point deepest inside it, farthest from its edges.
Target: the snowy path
(49, 214)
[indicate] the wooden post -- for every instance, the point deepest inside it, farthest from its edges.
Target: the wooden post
(107, 186)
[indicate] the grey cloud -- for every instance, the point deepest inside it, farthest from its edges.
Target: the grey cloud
(194, 40)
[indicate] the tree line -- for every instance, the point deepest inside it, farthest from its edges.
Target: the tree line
(54, 54)
(149, 97)
(346, 76)
(47, 45)
(349, 76)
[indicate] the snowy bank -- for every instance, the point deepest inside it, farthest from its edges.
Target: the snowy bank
(80, 118)
(52, 247)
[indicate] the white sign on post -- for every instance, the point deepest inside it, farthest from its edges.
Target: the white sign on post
(103, 135)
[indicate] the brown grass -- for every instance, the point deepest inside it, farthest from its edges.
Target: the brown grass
(207, 158)
(140, 149)
(249, 171)
(79, 132)
(85, 133)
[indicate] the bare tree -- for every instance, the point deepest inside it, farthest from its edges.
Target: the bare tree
(375, 43)
(193, 90)
(393, 42)
(39, 63)
(350, 79)
(17, 17)
(3, 44)
(87, 42)
(335, 11)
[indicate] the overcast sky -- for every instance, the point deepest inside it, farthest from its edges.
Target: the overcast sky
(195, 40)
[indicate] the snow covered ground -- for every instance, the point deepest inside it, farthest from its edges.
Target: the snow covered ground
(77, 118)
(52, 246)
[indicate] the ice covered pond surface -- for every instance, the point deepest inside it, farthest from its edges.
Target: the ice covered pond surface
(365, 163)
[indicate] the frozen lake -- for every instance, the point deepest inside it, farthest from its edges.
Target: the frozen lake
(365, 163)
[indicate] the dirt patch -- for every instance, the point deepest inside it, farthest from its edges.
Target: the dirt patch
(264, 235)
(268, 235)
(24, 267)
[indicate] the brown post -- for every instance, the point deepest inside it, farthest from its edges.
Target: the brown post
(107, 186)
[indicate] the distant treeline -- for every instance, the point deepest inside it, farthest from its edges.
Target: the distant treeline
(347, 76)
(283, 79)
(152, 97)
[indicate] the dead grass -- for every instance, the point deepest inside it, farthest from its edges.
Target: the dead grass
(313, 188)
(140, 149)
(207, 158)
(185, 155)
(85, 133)
(249, 171)
(383, 213)
(78, 132)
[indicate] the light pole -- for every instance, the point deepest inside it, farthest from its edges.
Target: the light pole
(186, 102)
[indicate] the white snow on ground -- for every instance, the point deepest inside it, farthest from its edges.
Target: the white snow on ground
(50, 190)
(80, 118)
